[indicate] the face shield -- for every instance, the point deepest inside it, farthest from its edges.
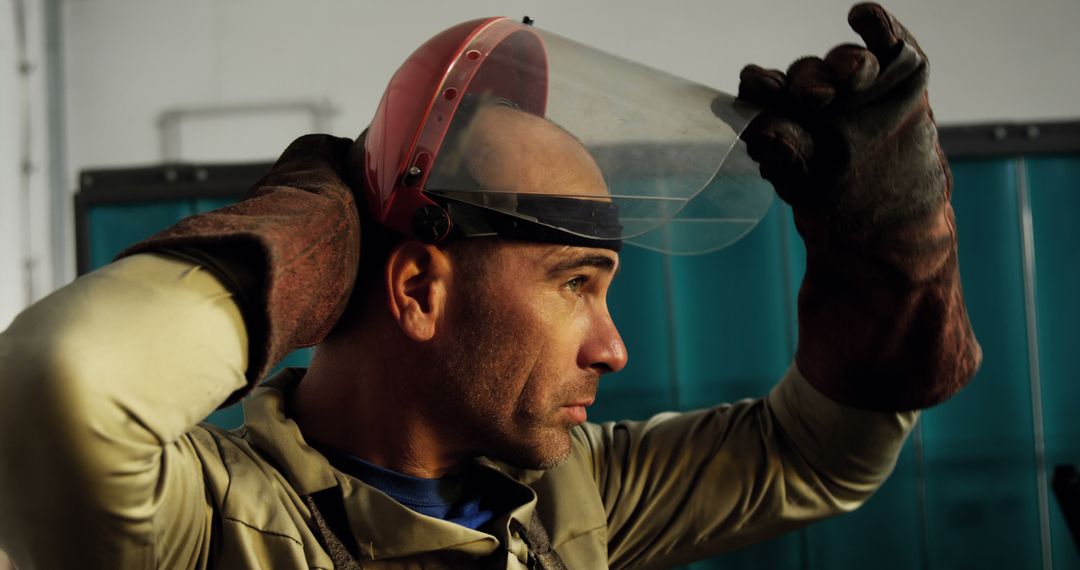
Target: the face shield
(524, 134)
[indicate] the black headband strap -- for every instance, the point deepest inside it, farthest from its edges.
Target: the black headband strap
(545, 218)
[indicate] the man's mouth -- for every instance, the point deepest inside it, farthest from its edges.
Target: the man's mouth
(576, 412)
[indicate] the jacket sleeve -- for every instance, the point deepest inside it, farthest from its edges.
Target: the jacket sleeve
(101, 380)
(685, 486)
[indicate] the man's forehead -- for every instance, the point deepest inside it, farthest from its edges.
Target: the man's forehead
(549, 255)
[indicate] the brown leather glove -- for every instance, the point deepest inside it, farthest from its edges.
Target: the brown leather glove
(289, 250)
(850, 142)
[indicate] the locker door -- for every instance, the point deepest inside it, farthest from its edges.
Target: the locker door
(1054, 189)
(982, 503)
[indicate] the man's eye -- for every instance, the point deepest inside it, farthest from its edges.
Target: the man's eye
(575, 284)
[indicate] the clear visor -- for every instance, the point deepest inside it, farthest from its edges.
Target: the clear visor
(554, 132)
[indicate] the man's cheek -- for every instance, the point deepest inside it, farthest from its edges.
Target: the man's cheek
(557, 313)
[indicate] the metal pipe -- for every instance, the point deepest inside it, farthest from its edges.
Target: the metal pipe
(26, 164)
(169, 120)
(1027, 240)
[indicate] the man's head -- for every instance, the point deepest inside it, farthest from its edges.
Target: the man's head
(504, 341)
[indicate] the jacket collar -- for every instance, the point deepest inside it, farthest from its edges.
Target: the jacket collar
(382, 527)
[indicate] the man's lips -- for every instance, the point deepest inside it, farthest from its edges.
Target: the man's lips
(576, 410)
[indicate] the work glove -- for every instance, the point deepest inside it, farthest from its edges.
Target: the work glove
(849, 141)
(288, 251)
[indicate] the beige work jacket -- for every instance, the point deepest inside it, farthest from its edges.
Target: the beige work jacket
(104, 464)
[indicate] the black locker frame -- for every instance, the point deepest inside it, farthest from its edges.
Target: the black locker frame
(155, 184)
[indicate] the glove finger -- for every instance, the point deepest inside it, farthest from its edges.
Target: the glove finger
(783, 151)
(811, 85)
(884, 34)
(760, 86)
(854, 67)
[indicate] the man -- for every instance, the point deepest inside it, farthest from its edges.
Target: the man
(442, 422)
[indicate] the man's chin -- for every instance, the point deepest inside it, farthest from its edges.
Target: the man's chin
(551, 462)
(539, 457)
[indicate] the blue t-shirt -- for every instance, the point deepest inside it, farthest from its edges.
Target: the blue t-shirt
(467, 498)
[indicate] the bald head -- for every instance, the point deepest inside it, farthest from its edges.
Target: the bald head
(509, 150)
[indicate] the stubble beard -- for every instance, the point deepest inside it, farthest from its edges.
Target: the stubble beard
(480, 390)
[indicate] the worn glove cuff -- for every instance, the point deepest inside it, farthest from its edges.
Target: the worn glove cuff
(289, 250)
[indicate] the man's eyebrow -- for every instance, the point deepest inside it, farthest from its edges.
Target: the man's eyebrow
(589, 260)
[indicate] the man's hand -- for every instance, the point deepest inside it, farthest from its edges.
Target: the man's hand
(288, 251)
(850, 142)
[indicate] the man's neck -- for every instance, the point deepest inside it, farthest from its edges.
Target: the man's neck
(347, 401)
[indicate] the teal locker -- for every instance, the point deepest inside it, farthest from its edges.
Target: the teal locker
(980, 468)
(734, 332)
(117, 226)
(1054, 183)
(734, 324)
(886, 533)
(639, 304)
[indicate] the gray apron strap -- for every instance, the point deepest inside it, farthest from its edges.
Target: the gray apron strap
(328, 512)
(541, 555)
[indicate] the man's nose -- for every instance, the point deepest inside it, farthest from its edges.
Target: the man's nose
(604, 349)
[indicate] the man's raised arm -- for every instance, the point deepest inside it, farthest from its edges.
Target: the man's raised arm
(684, 486)
(849, 141)
(103, 379)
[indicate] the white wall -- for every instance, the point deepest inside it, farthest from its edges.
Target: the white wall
(126, 61)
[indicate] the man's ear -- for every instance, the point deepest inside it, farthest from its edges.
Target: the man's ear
(417, 277)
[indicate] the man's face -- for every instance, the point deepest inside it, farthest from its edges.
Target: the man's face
(529, 329)
(530, 335)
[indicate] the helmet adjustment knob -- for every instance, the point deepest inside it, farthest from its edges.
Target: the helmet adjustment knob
(430, 223)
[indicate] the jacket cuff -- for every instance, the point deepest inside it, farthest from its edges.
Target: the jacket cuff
(852, 448)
